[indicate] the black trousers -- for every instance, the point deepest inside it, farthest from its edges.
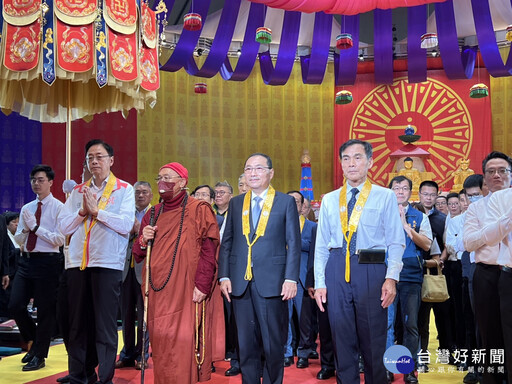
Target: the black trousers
(132, 309)
(442, 318)
(38, 278)
(453, 273)
(93, 300)
(261, 322)
(326, 345)
(493, 287)
(63, 322)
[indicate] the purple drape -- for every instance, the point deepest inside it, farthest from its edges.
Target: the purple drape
(313, 66)
(417, 56)
(345, 63)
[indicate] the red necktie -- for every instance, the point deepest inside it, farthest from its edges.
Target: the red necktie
(32, 237)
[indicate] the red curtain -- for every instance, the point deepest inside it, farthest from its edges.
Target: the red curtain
(112, 128)
(451, 124)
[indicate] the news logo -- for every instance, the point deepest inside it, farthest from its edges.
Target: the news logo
(398, 359)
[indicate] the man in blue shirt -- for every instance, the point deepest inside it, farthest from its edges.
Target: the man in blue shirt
(359, 216)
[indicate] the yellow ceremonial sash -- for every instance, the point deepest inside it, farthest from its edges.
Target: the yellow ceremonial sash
(112, 180)
(262, 224)
(302, 220)
(351, 226)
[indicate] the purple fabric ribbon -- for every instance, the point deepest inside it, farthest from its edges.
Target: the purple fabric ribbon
(187, 42)
(313, 66)
(345, 63)
(220, 46)
(456, 66)
(416, 56)
(286, 55)
(383, 48)
(249, 49)
(487, 40)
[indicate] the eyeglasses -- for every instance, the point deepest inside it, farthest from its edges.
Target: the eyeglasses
(167, 178)
(431, 195)
(205, 195)
(142, 192)
(500, 171)
(39, 180)
(98, 158)
(220, 193)
(405, 189)
(441, 203)
(453, 204)
(258, 170)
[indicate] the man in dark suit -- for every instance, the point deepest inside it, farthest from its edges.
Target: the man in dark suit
(302, 302)
(259, 269)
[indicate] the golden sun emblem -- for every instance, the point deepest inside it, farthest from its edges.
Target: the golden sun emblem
(439, 114)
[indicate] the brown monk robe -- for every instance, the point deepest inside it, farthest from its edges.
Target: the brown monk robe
(171, 311)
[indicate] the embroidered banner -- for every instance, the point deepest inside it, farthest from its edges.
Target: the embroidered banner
(148, 25)
(121, 15)
(76, 12)
(149, 69)
(21, 12)
(75, 47)
(122, 55)
(22, 46)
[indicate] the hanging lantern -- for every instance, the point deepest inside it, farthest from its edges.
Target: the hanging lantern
(200, 88)
(429, 40)
(264, 35)
(508, 36)
(344, 97)
(478, 91)
(192, 22)
(344, 41)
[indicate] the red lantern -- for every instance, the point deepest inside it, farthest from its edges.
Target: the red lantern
(200, 88)
(344, 41)
(192, 22)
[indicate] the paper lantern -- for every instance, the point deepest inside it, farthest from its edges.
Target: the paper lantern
(264, 35)
(478, 91)
(344, 97)
(192, 22)
(200, 88)
(344, 41)
(429, 40)
(508, 36)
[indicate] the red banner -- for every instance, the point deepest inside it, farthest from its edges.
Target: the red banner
(452, 125)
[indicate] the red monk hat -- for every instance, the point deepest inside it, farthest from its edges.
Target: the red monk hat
(179, 169)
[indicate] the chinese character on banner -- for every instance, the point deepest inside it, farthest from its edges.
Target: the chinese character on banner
(443, 356)
(451, 369)
(481, 369)
(441, 370)
(501, 369)
(497, 356)
(478, 356)
(490, 369)
(460, 356)
(471, 369)
(423, 357)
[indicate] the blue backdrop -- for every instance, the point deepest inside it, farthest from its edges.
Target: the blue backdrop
(20, 150)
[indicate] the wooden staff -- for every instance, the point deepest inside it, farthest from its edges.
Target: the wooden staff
(146, 301)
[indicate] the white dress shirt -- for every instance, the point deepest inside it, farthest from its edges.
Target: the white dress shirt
(109, 236)
(473, 236)
(454, 236)
(380, 227)
(49, 239)
(498, 225)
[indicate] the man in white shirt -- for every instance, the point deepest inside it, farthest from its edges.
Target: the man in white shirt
(486, 291)
(39, 267)
(361, 217)
(99, 214)
(498, 230)
(473, 191)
